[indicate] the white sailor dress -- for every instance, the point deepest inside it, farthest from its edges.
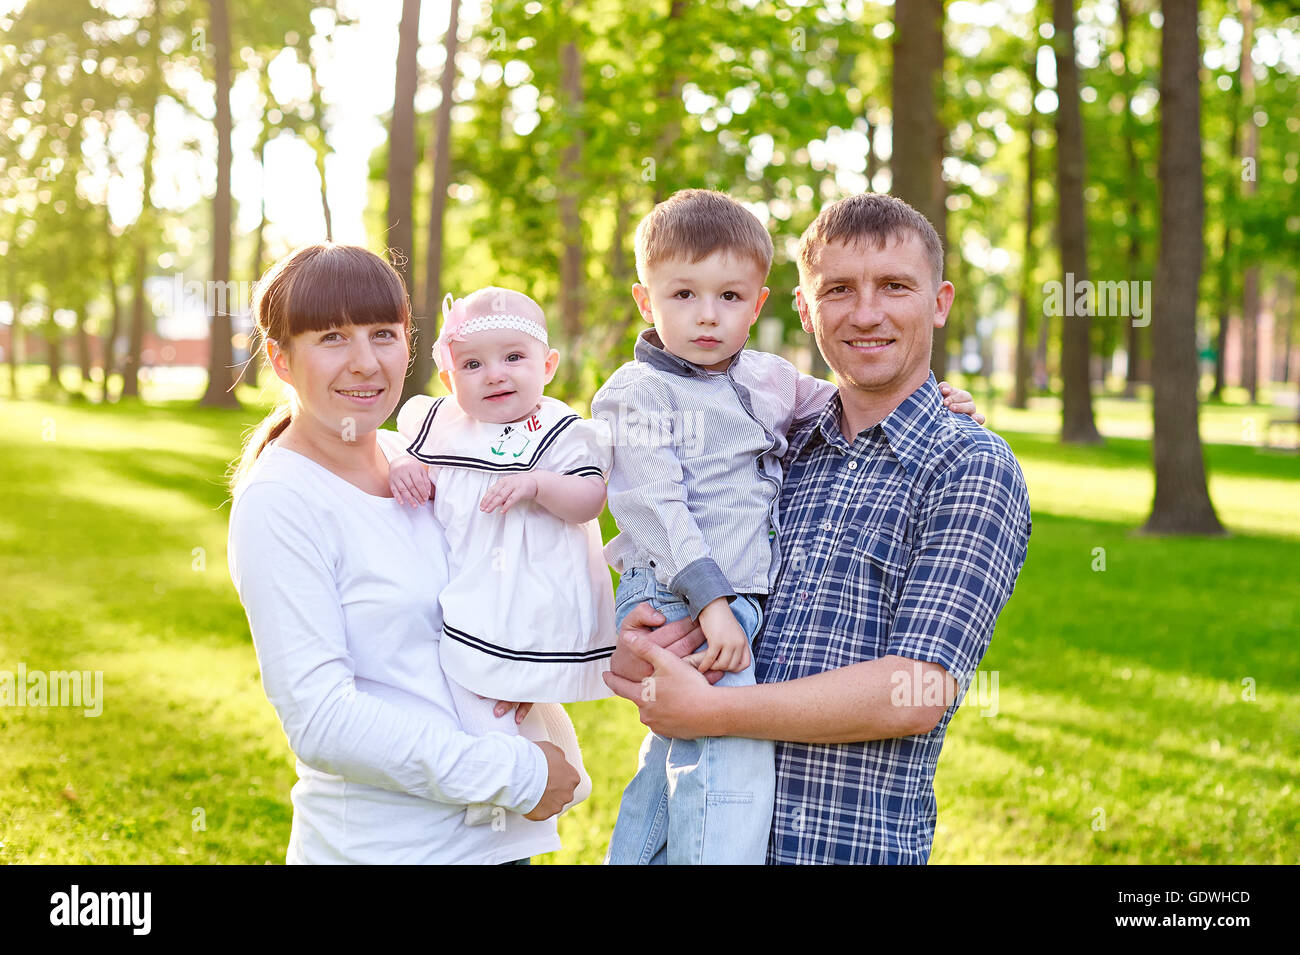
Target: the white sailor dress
(528, 613)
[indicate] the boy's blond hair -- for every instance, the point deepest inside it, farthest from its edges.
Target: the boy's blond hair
(695, 223)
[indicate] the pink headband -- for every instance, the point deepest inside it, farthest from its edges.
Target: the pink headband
(455, 328)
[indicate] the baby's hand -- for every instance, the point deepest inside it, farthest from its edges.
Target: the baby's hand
(728, 647)
(509, 491)
(409, 480)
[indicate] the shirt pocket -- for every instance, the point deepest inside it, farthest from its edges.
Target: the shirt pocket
(882, 558)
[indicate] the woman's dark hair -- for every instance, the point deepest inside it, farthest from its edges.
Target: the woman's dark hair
(314, 289)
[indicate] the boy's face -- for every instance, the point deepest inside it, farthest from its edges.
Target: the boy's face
(498, 375)
(703, 310)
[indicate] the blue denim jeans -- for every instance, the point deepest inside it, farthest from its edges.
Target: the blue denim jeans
(695, 801)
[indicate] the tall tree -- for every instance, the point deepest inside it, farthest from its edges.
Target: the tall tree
(1250, 157)
(401, 148)
(1133, 374)
(1077, 425)
(220, 392)
(146, 223)
(1023, 369)
(1182, 500)
(426, 323)
(917, 135)
(570, 186)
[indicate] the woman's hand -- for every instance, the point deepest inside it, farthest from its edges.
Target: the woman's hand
(561, 781)
(509, 491)
(960, 402)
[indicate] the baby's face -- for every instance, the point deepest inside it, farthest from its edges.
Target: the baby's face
(703, 310)
(498, 375)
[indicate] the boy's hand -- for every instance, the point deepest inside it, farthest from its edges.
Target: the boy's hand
(509, 491)
(409, 481)
(728, 647)
(959, 402)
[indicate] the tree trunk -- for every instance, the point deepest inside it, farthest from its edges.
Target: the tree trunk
(322, 145)
(401, 148)
(1020, 396)
(13, 296)
(426, 322)
(53, 348)
(144, 225)
(1182, 500)
(221, 373)
(83, 345)
(917, 134)
(570, 183)
(1077, 425)
(115, 321)
(1250, 279)
(1133, 374)
(669, 108)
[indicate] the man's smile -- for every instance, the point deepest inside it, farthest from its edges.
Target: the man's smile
(869, 344)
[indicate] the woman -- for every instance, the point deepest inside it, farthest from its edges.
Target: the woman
(340, 583)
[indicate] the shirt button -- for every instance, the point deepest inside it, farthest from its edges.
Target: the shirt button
(853, 465)
(827, 526)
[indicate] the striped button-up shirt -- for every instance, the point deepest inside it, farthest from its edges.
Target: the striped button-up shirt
(904, 541)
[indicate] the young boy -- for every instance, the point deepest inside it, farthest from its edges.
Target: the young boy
(699, 426)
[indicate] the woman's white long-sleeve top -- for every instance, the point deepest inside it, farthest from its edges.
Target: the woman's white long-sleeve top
(341, 590)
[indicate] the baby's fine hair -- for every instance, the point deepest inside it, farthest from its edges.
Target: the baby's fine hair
(695, 223)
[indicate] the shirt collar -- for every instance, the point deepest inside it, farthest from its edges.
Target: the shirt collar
(650, 349)
(906, 429)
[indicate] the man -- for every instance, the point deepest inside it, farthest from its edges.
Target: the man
(903, 530)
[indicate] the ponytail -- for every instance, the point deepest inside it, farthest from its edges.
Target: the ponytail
(267, 430)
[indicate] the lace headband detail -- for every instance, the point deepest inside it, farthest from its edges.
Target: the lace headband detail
(455, 327)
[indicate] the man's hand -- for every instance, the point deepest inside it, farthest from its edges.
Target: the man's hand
(509, 491)
(728, 646)
(674, 699)
(959, 402)
(561, 781)
(681, 637)
(409, 481)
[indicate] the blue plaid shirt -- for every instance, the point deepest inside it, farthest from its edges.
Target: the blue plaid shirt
(906, 541)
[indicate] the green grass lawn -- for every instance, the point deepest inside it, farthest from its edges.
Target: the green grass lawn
(1145, 713)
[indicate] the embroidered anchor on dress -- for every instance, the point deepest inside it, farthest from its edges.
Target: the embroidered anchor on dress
(509, 439)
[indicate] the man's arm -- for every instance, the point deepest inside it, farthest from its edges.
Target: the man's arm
(974, 530)
(851, 704)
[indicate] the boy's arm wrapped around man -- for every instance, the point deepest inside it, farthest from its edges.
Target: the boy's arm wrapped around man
(647, 493)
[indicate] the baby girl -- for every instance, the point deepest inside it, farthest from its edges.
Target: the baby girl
(520, 477)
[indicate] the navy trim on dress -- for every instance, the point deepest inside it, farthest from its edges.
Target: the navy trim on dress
(528, 656)
(477, 464)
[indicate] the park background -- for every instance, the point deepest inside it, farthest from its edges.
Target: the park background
(157, 156)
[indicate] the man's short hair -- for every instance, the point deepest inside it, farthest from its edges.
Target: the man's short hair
(870, 217)
(695, 223)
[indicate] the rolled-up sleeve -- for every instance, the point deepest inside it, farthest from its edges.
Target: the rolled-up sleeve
(972, 538)
(286, 581)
